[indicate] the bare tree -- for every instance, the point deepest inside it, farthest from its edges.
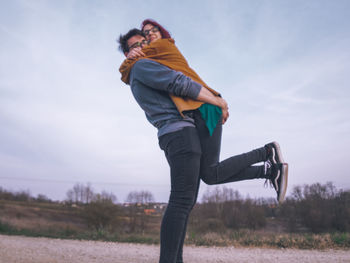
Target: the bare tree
(138, 200)
(105, 197)
(220, 195)
(80, 193)
(215, 198)
(140, 197)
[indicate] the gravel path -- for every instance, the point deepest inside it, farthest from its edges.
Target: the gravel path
(18, 249)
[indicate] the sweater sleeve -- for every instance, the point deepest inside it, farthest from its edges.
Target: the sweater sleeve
(160, 77)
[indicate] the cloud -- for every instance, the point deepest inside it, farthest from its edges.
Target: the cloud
(64, 113)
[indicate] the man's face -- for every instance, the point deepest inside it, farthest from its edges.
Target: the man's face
(136, 42)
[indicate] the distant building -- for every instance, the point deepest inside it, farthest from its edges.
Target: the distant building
(149, 211)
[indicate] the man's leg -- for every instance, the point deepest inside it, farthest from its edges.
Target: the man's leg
(180, 252)
(235, 168)
(183, 152)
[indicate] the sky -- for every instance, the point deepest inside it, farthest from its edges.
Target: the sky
(66, 117)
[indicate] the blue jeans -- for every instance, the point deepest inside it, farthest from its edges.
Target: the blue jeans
(193, 155)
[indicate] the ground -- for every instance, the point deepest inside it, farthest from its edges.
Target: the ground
(18, 249)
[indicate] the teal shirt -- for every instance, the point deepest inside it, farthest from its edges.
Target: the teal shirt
(211, 115)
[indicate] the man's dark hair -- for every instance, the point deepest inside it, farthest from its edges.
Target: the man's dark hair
(123, 39)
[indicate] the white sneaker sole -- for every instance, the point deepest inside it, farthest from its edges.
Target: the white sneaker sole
(284, 183)
(279, 153)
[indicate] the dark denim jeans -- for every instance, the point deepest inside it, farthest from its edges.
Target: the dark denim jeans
(193, 155)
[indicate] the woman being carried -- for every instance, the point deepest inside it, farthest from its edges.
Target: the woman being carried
(192, 149)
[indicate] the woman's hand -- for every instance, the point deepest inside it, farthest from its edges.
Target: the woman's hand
(225, 115)
(206, 96)
(224, 109)
(135, 53)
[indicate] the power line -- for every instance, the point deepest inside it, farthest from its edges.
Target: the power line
(73, 182)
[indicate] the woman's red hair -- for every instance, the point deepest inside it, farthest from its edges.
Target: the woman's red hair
(163, 31)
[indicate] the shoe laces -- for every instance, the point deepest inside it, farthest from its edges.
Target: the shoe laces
(268, 183)
(267, 165)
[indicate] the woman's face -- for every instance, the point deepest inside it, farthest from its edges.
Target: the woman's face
(152, 32)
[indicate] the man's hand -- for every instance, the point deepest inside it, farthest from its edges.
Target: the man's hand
(135, 53)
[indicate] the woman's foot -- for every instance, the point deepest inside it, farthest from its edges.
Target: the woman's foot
(278, 177)
(274, 153)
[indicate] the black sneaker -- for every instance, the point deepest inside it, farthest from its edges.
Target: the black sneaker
(279, 180)
(274, 153)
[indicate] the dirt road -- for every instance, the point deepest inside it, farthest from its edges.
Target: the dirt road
(17, 249)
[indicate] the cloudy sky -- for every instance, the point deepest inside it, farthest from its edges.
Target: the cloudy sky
(66, 117)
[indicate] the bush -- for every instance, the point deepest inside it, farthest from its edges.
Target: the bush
(100, 214)
(15, 196)
(243, 214)
(225, 208)
(319, 208)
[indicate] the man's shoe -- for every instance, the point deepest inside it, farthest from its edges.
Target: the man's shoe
(279, 180)
(274, 153)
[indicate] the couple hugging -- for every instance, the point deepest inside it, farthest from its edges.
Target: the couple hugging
(188, 115)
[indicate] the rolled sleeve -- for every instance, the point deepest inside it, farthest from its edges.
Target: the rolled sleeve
(160, 77)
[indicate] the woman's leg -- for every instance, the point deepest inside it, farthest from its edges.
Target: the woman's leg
(183, 152)
(235, 168)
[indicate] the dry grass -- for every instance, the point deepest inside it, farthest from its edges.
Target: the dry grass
(249, 238)
(37, 216)
(56, 220)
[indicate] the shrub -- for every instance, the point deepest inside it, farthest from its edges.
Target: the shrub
(100, 214)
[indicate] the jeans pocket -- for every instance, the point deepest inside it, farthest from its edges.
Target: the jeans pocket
(169, 142)
(183, 152)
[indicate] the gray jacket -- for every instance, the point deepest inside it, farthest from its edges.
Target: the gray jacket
(151, 83)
